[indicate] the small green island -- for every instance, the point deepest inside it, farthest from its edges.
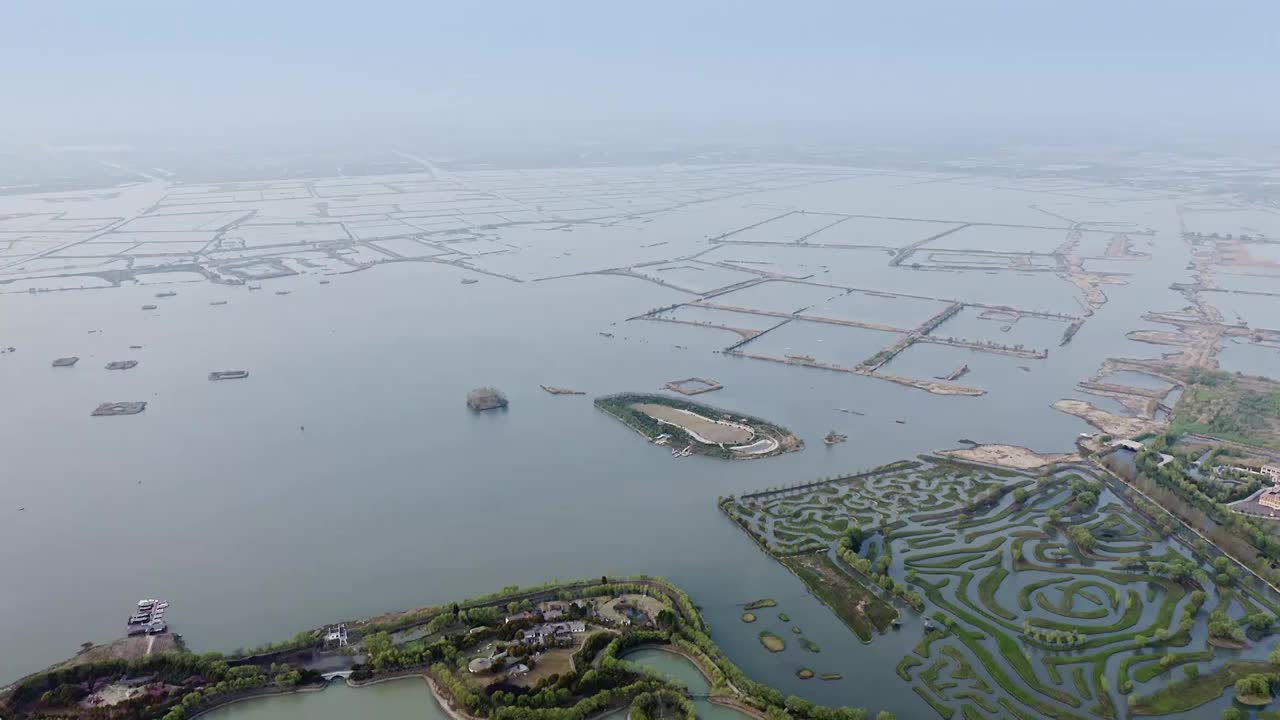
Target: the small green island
(772, 641)
(689, 428)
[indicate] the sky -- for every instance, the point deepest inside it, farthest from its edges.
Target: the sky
(641, 69)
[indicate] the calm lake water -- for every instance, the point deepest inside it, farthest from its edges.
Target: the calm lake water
(398, 700)
(395, 495)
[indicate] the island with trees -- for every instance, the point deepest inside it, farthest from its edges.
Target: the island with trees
(688, 427)
(486, 398)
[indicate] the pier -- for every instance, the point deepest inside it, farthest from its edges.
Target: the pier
(228, 374)
(119, 408)
(989, 347)
(148, 618)
(561, 391)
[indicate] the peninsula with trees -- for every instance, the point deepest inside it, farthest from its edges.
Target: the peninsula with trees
(554, 652)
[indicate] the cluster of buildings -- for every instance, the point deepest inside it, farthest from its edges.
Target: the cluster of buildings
(551, 611)
(1269, 497)
(554, 626)
(553, 633)
(547, 634)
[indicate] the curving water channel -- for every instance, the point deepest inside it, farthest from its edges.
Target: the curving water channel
(680, 669)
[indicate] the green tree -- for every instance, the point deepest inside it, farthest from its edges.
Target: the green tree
(1256, 685)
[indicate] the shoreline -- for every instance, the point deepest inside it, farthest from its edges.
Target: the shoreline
(1014, 457)
(259, 696)
(436, 693)
(448, 709)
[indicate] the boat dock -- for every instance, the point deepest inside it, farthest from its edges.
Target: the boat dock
(148, 618)
(561, 391)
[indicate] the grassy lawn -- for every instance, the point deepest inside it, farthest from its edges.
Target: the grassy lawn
(553, 662)
(1238, 408)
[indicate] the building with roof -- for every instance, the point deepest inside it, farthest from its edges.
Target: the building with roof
(1270, 498)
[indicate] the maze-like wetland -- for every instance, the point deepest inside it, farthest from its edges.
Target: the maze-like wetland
(1033, 596)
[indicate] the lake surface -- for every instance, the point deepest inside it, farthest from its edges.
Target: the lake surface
(345, 477)
(408, 699)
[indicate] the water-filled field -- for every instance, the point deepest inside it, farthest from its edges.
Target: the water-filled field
(1002, 239)
(826, 343)
(896, 311)
(780, 296)
(1259, 311)
(1249, 358)
(981, 325)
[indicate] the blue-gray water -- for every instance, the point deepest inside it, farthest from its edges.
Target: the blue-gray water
(395, 495)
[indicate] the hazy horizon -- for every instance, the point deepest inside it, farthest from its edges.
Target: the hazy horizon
(507, 72)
